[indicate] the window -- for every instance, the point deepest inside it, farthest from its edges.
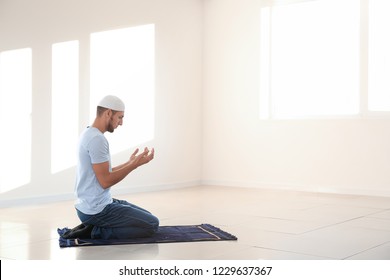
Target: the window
(317, 58)
(122, 64)
(379, 56)
(310, 66)
(15, 118)
(65, 96)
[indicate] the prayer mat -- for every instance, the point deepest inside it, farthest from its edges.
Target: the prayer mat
(165, 234)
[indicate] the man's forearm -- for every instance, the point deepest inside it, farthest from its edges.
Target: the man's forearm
(107, 179)
(118, 174)
(119, 166)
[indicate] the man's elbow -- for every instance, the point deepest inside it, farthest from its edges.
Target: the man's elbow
(105, 184)
(107, 180)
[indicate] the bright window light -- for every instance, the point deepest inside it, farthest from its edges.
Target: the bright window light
(265, 63)
(65, 96)
(379, 56)
(15, 118)
(310, 59)
(122, 64)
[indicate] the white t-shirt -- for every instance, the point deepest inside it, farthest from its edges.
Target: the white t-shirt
(93, 149)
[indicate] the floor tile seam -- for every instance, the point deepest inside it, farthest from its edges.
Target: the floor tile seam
(306, 220)
(332, 225)
(365, 227)
(375, 209)
(288, 234)
(370, 228)
(371, 248)
(276, 218)
(375, 218)
(244, 224)
(285, 219)
(371, 215)
(293, 252)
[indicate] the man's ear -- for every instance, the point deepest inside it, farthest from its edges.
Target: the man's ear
(109, 113)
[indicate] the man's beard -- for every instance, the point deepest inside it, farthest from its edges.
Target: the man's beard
(110, 128)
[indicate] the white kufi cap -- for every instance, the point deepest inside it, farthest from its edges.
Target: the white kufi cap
(112, 102)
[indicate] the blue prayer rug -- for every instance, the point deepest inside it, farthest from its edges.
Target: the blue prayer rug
(165, 234)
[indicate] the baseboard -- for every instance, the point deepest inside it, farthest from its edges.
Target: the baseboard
(36, 200)
(301, 188)
(177, 185)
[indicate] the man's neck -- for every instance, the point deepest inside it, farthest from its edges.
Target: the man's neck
(99, 124)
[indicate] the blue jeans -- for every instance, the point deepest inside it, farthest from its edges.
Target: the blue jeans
(121, 220)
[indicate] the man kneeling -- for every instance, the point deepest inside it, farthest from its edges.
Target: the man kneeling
(102, 216)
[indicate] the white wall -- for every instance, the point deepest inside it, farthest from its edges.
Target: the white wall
(178, 29)
(340, 155)
(207, 83)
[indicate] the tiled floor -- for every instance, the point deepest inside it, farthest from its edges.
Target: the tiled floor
(269, 225)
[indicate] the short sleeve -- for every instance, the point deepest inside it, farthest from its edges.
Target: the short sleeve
(98, 149)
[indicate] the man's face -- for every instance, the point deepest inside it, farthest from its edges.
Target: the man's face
(115, 121)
